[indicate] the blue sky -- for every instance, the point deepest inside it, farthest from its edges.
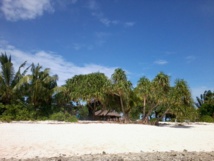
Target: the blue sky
(143, 37)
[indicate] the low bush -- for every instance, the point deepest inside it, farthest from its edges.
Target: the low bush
(6, 118)
(15, 112)
(24, 112)
(60, 116)
(206, 118)
(153, 121)
(71, 119)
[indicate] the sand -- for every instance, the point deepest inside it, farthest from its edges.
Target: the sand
(22, 140)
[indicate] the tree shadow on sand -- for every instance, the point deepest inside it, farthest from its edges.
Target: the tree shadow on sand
(181, 126)
(175, 126)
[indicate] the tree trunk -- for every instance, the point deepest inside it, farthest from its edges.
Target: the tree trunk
(125, 114)
(145, 118)
(90, 112)
(161, 118)
(126, 118)
(144, 106)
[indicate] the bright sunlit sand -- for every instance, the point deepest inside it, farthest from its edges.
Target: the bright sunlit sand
(49, 139)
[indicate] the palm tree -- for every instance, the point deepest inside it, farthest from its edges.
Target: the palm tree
(205, 103)
(41, 86)
(9, 79)
(206, 97)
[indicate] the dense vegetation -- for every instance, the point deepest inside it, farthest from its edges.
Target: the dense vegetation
(205, 104)
(32, 93)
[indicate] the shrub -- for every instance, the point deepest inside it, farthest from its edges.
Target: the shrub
(153, 121)
(6, 119)
(60, 116)
(15, 112)
(71, 119)
(206, 118)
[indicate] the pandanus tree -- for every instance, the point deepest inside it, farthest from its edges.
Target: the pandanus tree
(9, 79)
(143, 91)
(177, 100)
(89, 88)
(96, 92)
(122, 88)
(159, 88)
(167, 103)
(183, 98)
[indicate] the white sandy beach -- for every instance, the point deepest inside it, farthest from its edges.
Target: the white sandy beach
(49, 139)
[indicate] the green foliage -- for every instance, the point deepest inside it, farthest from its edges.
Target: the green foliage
(122, 88)
(153, 121)
(36, 96)
(60, 116)
(206, 118)
(71, 119)
(83, 113)
(135, 113)
(40, 86)
(88, 88)
(205, 104)
(15, 112)
(207, 109)
(9, 79)
(206, 98)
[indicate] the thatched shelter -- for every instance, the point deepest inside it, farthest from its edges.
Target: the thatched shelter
(107, 115)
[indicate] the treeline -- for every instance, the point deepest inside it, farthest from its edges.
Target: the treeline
(28, 96)
(32, 93)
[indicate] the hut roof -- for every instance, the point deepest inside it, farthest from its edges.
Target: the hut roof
(106, 113)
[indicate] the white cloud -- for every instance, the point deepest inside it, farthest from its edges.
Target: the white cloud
(108, 22)
(55, 62)
(14, 10)
(104, 20)
(98, 14)
(161, 62)
(129, 24)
